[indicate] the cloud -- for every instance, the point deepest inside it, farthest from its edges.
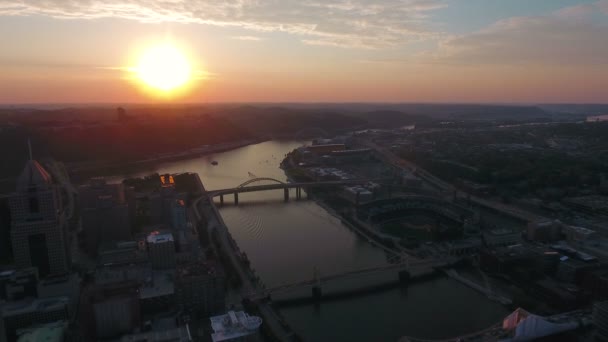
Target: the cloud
(570, 36)
(248, 38)
(349, 23)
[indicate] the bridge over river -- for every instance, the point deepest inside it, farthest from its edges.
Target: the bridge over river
(277, 185)
(354, 282)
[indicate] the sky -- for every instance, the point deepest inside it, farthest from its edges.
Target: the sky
(471, 51)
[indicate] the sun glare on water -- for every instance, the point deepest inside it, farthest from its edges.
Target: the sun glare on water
(164, 69)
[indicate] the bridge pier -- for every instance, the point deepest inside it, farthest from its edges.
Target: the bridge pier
(298, 193)
(317, 293)
(404, 277)
(221, 199)
(236, 198)
(286, 194)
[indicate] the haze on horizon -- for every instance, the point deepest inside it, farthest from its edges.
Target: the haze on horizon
(503, 51)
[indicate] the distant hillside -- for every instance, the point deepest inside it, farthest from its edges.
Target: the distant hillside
(287, 123)
(391, 118)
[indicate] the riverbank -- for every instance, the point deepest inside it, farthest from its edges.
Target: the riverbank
(108, 166)
(286, 241)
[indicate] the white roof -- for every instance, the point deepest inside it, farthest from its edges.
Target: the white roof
(233, 325)
(526, 326)
(157, 237)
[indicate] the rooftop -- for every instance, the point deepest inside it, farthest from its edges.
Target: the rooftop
(52, 332)
(34, 305)
(158, 237)
(161, 284)
(33, 174)
(179, 334)
(233, 325)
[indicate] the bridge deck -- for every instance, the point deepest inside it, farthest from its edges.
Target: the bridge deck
(276, 186)
(350, 282)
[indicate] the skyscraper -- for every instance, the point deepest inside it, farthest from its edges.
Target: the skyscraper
(105, 213)
(38, 229)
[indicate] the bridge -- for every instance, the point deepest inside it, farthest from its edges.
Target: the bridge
(277, 185)
(352, 282)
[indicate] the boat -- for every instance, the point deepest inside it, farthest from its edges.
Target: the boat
(214, 162)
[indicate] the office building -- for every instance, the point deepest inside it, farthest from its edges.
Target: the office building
(38, 229)
(600, 320)
(112, 309)
(50, 332)
(105, 213)
(30, 312)
(19, 284)
(200, 289)
(161, 249)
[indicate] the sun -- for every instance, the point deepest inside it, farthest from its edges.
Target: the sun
(163, 68)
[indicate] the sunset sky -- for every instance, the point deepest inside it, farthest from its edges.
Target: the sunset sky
(507, 51)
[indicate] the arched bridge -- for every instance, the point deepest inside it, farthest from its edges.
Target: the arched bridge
(259, 179)
(248, 187)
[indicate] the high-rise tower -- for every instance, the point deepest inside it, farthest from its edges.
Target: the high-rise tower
(38, 229)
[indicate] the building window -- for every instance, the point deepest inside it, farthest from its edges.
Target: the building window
(34, 205)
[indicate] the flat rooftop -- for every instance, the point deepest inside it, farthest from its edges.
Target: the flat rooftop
(233, 325)
(35, 305)
(158, 237)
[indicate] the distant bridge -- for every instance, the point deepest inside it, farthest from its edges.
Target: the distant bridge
(247, 187)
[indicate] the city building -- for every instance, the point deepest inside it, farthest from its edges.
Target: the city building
(544, 231)
(179, 216)
(19, 284)
(6, 251)
(38, 229)
(157, 292)
(122, 252)
(67, 285)
(577, 235)
(112, 309)
(410, 180)
(161, 249)
(352, 156)
(177, 334)
(600, 320)
(200, 289)
(573, 270)
(234, 326)
(506, 259)
(594, 204)
(501, 237)
(183, 233)
(50, 332)
(357, 194)
(26, 313)
(596, 282)
(105, 213)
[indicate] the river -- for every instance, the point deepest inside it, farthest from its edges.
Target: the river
(287, 242)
